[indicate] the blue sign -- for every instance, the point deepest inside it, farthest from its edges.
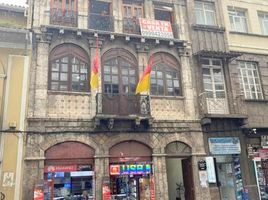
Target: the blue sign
(224, 145)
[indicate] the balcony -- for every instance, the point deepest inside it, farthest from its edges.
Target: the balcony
(212, 106)
(101, 22)
(131, 26)
(63, 17)
(114, 108)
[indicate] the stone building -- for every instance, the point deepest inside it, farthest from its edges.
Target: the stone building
(14, 68)
(139, 146)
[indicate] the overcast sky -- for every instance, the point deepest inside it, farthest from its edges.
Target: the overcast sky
(14, 2)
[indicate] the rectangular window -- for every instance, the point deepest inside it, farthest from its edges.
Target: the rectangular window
(238, 20)
(205, 13)
(163, 13)
(263, 18)
(249, 79)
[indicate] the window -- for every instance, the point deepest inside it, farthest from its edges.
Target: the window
(238, 20)
(68, 69)
(263, 18)
(131, 14)
(205, 13)
(163, 13)
(213, 78)
(249, 80)
(165, 79)
(63, 12)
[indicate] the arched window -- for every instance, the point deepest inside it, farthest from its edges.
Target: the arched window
(68, 69)
(120, 74)
(165, 76)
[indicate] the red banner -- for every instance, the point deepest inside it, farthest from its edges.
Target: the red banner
(61, 168)
(152, 190)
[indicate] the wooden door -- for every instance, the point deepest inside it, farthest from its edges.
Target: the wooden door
(188, 178)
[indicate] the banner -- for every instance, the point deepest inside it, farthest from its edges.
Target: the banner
(156, 28)
(152, 189)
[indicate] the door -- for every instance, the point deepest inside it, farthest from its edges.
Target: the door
(119, 84)
(214, 86)
(188, 179)
(226, 181)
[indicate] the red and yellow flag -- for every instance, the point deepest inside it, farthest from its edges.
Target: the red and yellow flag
(94, 79)
(144, 82)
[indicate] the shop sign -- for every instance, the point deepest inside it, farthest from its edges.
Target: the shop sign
(130, 169)
(60, 168)
(202, 165)
(211, 170)
(156, 28)
(224, 145)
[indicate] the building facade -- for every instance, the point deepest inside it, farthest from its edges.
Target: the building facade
(133, 146)
(14, 66)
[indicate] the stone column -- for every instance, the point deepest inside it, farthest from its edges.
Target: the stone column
(101, 171)
(160, 175)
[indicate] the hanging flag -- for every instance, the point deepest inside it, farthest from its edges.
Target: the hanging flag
(144, 82)
(94, 79)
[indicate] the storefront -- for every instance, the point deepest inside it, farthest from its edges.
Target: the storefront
(226, 152)
(69, 173)
(131, 172)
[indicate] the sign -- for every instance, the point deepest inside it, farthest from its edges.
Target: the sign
(130, 169)
(224, 145)
(211, 170)
(156, 28)
(203, 178)
(202, 165)
(39, 191)
(264, 141)
(60, 168)
(152, 189)
(263, 153)
(8, 179)
(106, 192)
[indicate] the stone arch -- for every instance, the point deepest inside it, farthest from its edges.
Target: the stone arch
(122, 138)
(171, 52)
(178, 148)
(178, 138)
(47, 143)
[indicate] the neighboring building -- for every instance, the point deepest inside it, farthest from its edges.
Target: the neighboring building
(247, 26)
(79, 140)
(14, 67)
(222, 111)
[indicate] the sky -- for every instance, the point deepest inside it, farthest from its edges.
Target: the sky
(14, 2)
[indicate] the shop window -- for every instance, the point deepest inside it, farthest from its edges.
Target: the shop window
(100, 17)
(263, 18)
(238, 19)
(249, 79)
(63, 12)
(205, 13)
(165, 76)
(68, 69)
(132, 11)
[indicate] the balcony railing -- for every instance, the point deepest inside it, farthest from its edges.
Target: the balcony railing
(123, 105)
(101, 22)
(63, 17)
(131, 25)
(210, 104)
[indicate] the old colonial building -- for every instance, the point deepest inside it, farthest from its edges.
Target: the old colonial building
(138, 146)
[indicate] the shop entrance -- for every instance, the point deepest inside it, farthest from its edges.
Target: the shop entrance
(179, 171)
(69, 174)
(131, 175)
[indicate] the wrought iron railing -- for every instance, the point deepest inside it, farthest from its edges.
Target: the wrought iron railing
(101, 22)
(123, 104)
(227, 104)
(63, 17)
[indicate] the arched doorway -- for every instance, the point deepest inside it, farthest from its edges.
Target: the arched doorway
(119, 79)
(131, 174)
(179, 171)
(68, 170)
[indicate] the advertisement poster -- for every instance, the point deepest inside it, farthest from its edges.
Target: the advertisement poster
(106, 192)
(38, 192)
(211, 170)
(156, 28)
(152, 189)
